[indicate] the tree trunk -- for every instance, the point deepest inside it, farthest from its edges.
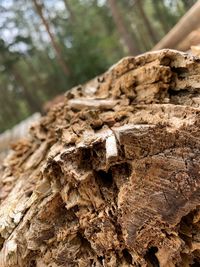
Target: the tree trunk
(193, 39)
(122, 29)
(158, 9)
(147, 23)
(189, 22)
(69, 10)
(55, 45)
(110, 177)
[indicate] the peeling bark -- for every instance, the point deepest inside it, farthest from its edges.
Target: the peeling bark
(110, 177)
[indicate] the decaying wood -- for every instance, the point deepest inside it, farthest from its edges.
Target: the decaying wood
(110, 177)
(14, 134)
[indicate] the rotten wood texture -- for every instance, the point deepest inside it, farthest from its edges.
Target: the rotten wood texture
(110, 177)
(12, 135)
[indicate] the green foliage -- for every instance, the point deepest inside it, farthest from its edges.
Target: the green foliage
(88, 41)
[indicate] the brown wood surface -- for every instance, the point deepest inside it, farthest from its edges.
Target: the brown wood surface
(110, 177)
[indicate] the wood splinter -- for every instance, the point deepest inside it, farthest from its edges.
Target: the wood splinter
(111, 148)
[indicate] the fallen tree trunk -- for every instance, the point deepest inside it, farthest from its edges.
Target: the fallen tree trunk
(110, 177)
(188, 23)
(193, 39)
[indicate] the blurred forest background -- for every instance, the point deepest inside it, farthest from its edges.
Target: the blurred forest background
(48, 46)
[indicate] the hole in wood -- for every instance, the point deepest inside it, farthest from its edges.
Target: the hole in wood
(106, 178)
(33, 263)
(151, 258)
(127, 256)
(181, 71)
(100, 258)
(196, 263)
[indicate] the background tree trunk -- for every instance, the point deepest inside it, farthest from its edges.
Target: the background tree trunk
(55, 45)
(148, 25)
(122, 29)
(69, 10)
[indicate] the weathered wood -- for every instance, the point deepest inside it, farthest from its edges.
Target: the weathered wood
(114, 180)
(13, 135)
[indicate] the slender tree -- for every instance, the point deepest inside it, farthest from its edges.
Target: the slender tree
(159, 15)
(122, 29)
(55, 45)
(147, 23)
(69, 10)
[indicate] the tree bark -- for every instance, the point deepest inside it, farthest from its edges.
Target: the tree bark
(122, 29)
(110, 177)
(55, 45)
